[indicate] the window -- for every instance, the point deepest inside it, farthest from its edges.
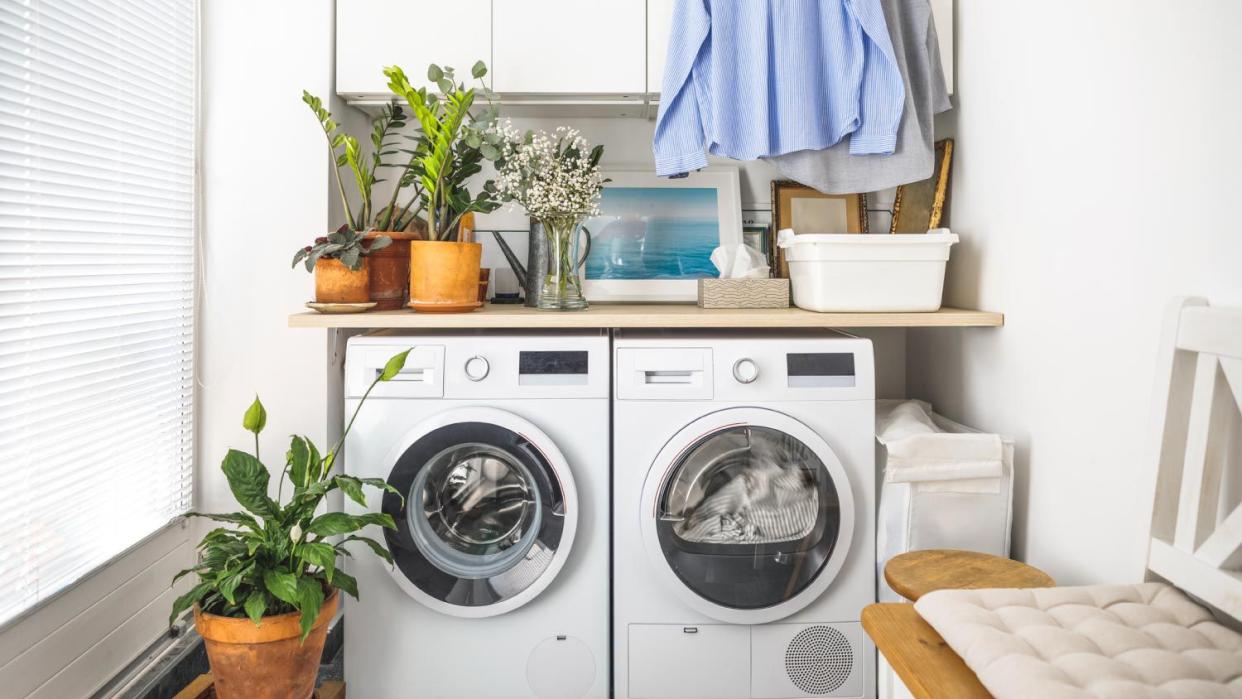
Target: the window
(97, 251)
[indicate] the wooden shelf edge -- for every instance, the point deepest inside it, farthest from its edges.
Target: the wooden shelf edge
(647, 316)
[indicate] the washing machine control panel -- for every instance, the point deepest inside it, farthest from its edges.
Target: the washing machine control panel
(477, 368)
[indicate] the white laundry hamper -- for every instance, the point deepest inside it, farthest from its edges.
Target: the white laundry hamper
(944, 485)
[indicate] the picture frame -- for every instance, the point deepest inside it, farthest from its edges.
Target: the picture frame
(654, 235)
(808, 210)
(922, 206)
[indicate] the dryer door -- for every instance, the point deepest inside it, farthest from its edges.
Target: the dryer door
(747, 514)
(486, 512)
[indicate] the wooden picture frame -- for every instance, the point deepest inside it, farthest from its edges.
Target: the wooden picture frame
(808, 210)
(922, 206)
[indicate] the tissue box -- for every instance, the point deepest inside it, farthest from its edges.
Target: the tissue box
(743, 293)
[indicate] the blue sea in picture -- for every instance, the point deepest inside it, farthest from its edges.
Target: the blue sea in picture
(654, 233)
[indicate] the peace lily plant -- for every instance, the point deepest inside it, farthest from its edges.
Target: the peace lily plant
(275, 562)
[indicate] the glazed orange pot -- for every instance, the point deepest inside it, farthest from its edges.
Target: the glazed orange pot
(336, 283)
(265, 661)
(444, 276)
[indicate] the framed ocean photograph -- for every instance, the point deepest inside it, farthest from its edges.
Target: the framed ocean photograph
(653, 238)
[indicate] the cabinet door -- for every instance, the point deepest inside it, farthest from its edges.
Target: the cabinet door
(372, 34)
(659, 15)
(570, 46)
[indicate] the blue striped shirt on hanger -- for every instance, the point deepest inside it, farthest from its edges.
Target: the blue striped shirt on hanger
(753, 78)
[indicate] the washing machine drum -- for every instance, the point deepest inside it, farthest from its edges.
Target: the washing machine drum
(485, 513)
(750, 514)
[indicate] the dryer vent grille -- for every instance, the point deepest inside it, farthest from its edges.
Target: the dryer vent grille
(819, 659)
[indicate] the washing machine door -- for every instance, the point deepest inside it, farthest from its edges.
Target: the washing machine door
(485, 511)
(747, 515)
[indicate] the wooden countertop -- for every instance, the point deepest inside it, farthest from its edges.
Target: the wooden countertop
(607, 315)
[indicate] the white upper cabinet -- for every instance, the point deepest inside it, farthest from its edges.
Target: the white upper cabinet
(569, 47)
(372, 34)
(562, 54)
(659, 14)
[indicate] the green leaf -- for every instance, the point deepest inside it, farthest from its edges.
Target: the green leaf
(231, 518)
(196, 593)
(346, 582)
(318, 553)
(352, 488)
(333, 523)
(394, 365)
(310, 599)
(255, 418)
(352, 258)
(299, 460)
(248, 480)
(228, 585)
(256, 606)
(478, 70)
(489, 151)
(376, 547)
(283, 586)
(435, 73)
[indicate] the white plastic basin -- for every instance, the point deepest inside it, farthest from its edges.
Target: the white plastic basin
(859, 273)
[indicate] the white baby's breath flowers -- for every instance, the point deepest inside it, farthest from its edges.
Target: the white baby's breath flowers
(548, 174)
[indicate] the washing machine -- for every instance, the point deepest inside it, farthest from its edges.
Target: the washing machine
(497, 448)
(743, 510)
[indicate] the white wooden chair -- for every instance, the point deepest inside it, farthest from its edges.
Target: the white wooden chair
(1199, 384)
(1148, 640)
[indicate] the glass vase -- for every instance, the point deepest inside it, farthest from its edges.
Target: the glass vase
(561, 289)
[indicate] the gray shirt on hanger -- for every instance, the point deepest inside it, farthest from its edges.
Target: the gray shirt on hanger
(833, 170)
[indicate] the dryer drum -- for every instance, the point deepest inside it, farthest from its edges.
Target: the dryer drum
(479, 516)
(748, 517)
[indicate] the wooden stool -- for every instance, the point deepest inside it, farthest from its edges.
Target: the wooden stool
(917, 573)
(919, 656)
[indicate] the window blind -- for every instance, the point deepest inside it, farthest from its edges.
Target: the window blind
(97, 251)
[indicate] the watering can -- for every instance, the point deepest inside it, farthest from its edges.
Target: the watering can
(530, 275)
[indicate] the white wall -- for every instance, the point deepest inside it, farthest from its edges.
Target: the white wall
(265, 193)
(1095, 178)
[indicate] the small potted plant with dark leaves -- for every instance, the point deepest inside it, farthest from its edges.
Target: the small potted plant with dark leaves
(267, 581)
(339, 261)
(398, 218)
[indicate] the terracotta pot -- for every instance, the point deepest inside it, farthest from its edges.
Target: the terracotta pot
(390, 269)
(336, 283)
(265, 661)
(444, 276)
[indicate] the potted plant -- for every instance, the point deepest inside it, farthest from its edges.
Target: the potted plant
(388, 270)
(268, 582)
(339, 261)
(444, 270)
(556, 178)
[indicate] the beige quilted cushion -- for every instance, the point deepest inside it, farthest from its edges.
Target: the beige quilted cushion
(1145, 641)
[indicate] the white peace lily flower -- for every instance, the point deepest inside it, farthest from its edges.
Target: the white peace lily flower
(295, 533)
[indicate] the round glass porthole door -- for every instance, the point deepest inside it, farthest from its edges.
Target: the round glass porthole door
(485, 512)
(748, 515)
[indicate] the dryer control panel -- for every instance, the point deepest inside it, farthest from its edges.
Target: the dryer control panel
(744, 368)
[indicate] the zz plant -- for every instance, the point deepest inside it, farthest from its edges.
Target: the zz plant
(451, 147)
(275, 556)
